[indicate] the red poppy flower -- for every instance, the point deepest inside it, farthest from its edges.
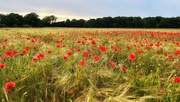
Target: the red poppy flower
(124, 69)
(177, 79)
(2, 66)
(161, 91)
(8, 91)
(78, 50)
(35, 59)
(5, 40)
(85, 54)
(129, 47)
(102, 48)
(35, 47)
(3, 58)
(24, 52)
(69, 53)
(93, 42)
(132, 56)
(49, 51)
(65, 57)
(75, 65)
(140, 51)
(9, 53)
(82, 63)
(58, 46)
(71, 91)
(151, 44)
(28, 38)
(72, 49)
(112, 64)
(15, 52)
(10, 85)
(96, 58)
(4, 47)
(83, 42)
(41, 55)
(27, 48)
(177, 52)
(140, 72)
(33, 40)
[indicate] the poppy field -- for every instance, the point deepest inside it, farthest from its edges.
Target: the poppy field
(89, 65)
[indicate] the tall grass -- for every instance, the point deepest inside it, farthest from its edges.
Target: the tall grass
(59, 77)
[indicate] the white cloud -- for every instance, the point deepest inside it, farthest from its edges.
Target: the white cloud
(86, 9)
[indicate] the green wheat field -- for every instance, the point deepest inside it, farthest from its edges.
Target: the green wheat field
(89, 65)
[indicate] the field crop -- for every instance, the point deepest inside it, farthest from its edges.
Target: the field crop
(89, 65)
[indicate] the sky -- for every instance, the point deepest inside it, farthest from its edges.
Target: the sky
(87, 9)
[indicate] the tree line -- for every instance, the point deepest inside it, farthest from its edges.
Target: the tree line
(33, 20)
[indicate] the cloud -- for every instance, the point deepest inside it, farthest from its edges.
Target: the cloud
(93, 8)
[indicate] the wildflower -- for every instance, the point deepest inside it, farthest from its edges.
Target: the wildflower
(96, 58)
(128, 47)
(10, 85)
(49, 51)
(5, 40)
(161, 91)
(15, 52)
(4, 47)
(102, 48)
(140, 51)
(140, 72)
(85, 54)
(71, 91)
(82, 63)
(9, 53)
(124, 68)
(2, 66)
(151, 44)
(177, 52)
(34, 47)
(27, 48)
(58, 46)
(65, 57)
(78, 41)
(75, 65)
(41, 55)
(24, 52)
(177, 79)
(35, 59)
(3, 58)
(33, 40)
(93, 42)
(8, 91)
(112, 64)
(69, 53)
(132, 56)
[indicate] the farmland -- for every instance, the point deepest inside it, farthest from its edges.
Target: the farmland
(89, 65)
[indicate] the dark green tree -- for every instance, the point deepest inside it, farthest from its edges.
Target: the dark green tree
(32, 19)
(13, 20)
(2, 20)
(48, 20)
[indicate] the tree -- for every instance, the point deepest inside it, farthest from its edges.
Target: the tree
(2, 20)
(48, 20)
(150, 22)
(31, 19)
(68, 23)
(13, 20)
(81, 22)
(91, 23)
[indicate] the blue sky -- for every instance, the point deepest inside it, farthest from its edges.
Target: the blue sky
(86, 9)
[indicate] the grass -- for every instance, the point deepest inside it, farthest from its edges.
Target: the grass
(97, 76)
